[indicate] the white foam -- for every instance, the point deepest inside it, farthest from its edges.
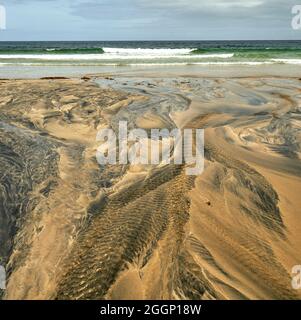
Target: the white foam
(287, 61)
(146, 52)
(157, 53)
(120, 54)
(217, 63)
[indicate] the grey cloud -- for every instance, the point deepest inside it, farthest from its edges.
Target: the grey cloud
(215, 12)
(186, 19)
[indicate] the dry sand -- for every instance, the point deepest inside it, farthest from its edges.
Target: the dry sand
(70, 229)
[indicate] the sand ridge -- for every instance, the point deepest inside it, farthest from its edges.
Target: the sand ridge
(151, 232)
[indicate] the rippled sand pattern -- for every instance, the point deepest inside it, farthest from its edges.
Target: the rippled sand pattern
(71, 229)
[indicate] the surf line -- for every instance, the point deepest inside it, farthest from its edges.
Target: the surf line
(163, 146)
(111, 310)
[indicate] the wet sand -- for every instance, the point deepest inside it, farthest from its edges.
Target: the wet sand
(71, 229)
(152, 71)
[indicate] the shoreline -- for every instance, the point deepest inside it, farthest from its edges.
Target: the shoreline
(216, 71)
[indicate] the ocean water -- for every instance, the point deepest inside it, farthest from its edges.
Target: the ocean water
(136, 53)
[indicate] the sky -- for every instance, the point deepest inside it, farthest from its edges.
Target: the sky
(148, 20)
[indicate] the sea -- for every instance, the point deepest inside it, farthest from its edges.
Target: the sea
(141, 53)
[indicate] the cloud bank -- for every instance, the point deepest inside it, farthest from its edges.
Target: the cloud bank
(149, 20)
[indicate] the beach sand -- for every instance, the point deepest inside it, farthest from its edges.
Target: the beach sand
(72, 229)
